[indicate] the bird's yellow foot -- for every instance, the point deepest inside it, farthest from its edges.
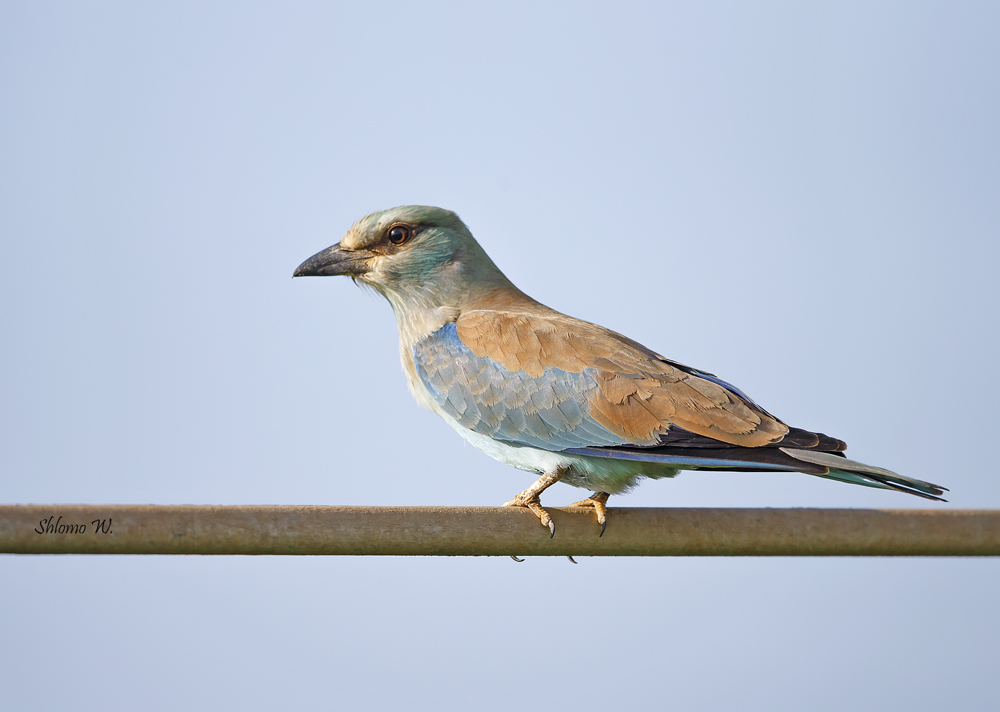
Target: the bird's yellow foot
(529, 498)
(598, 501)
(534, 504)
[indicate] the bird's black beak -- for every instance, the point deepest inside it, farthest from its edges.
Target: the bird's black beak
(333, 261)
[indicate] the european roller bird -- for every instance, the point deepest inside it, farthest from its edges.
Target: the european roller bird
(562, 398)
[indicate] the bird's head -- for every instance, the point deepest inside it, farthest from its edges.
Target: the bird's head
(412, 253)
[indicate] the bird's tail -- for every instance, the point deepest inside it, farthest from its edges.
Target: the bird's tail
(858, 473)
(831, 465)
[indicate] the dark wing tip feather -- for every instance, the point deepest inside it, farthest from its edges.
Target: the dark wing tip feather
(806, 440)
(795, 438)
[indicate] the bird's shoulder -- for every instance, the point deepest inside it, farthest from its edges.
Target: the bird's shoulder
(533, 337)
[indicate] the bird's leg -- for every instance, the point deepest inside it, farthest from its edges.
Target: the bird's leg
(598, 501)
(529, 498)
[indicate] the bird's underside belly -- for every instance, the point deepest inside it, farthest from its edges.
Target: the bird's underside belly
(595, 473)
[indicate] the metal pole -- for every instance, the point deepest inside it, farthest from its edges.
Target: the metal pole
(493, 531)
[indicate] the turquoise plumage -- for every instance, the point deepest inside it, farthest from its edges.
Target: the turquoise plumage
(548, 412)
(544, 392)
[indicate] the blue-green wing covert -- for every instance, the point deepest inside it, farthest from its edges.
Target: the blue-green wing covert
(548, 412)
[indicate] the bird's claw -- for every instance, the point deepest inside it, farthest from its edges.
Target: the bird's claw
(520, 561)
(533, 504)
(598, 501)
(529, 499)
(572, 559)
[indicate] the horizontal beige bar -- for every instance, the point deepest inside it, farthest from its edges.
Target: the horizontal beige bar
(493, 531)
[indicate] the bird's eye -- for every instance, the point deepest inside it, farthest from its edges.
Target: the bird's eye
(399, 234)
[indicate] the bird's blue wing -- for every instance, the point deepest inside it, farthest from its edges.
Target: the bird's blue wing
(551, 411)
(548, 412)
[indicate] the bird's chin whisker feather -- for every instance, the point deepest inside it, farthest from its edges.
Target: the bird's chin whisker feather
(365, 287)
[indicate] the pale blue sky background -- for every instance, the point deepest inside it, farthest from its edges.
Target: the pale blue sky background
(802, 198)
